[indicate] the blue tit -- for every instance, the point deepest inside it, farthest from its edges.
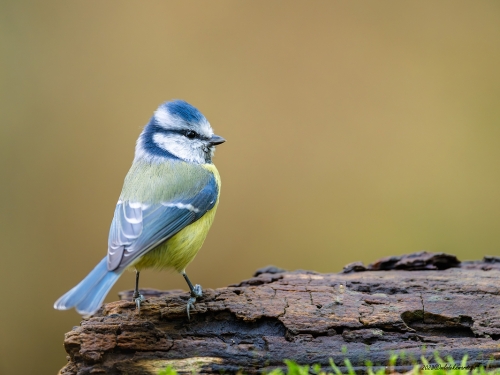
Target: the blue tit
(166, 207)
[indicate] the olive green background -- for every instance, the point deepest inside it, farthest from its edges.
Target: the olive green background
(356, 129)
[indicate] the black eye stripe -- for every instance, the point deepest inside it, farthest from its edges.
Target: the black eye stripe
(190, 134)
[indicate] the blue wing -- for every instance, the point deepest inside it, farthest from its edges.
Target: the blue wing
(138, 227)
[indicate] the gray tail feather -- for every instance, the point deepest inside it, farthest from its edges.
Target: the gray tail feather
(89, 294)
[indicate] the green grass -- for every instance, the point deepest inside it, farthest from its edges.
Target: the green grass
(440, 367)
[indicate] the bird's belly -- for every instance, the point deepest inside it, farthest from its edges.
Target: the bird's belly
(178, 251)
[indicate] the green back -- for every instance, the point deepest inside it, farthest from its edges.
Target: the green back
(154, 183)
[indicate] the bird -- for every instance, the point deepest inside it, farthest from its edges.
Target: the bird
(165, 209)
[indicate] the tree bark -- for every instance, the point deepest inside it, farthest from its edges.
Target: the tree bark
(417, 304)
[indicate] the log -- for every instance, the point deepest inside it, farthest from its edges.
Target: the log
(417, 303)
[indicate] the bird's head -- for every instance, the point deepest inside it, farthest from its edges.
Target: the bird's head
(178, 130)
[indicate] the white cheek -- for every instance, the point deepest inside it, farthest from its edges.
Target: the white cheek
(179, 146)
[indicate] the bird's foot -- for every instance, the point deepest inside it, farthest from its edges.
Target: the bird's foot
(138, 299)
(195, 293)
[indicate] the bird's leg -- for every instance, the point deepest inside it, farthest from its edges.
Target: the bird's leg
(195, 292)
(138, 298)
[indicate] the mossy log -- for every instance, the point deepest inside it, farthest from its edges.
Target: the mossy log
(416, 304)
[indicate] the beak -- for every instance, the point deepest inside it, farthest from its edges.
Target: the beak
(216, 140)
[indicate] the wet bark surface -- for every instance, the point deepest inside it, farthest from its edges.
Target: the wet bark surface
(416, 304)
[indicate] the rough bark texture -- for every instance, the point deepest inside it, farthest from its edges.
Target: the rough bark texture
(417, 303)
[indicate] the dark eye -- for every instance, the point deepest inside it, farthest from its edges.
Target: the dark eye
(191, 134)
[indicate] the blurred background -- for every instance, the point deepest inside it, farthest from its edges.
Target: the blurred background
(355, 130)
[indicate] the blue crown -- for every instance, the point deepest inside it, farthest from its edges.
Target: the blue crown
(184, 110)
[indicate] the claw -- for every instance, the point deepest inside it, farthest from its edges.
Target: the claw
(138, 299)
(195, 293)
(190, 305)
